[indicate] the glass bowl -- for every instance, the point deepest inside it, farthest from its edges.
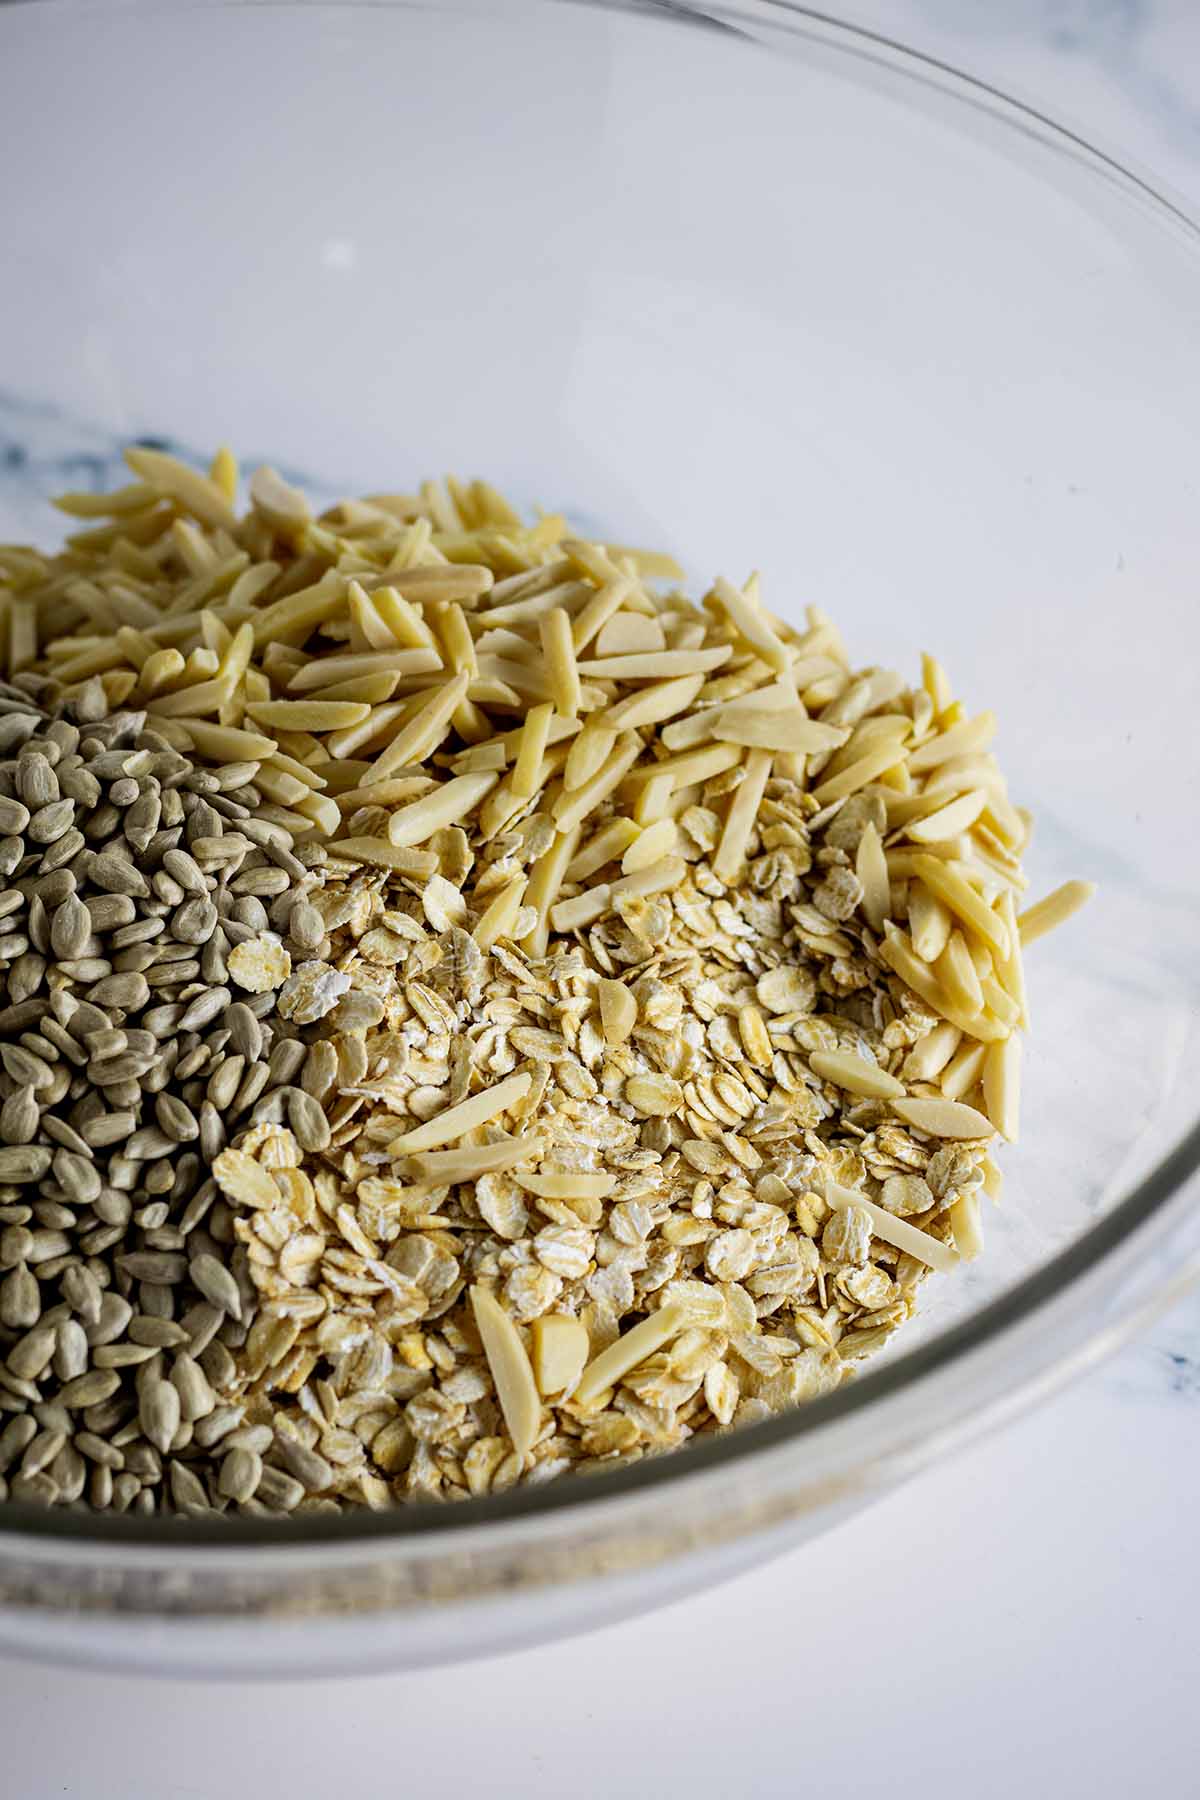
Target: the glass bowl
(766, 291)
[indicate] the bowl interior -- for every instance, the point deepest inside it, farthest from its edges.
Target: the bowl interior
(741, 293)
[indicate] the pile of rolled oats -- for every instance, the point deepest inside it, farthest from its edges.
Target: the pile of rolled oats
(645, 985)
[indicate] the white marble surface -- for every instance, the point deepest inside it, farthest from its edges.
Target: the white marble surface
(1024, 1619)
(1022, 1622)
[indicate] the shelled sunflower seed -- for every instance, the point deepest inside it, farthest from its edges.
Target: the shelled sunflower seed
(142, 944)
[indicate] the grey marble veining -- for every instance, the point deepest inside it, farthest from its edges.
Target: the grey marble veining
(1116, 38)
(1125, 71)
(46, 450)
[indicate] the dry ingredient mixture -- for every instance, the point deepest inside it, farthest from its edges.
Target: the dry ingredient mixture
(468, 1010)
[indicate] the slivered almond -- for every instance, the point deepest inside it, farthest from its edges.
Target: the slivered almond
(609, 844)
(956, 972)
(782, 729)
(603, 604)
(909, 1238)
(936, 683)
(656, 841)
(277, 784)
(927, 1058)
(383, 793)
(653, 564)
(1001, 816)
(385, 855)
(870, 865)
(297, 614)
(665, 700)
(405, 623)
(963, 1070)
(562, 672)
(455, 1121)
(528, 582)
(503, 805)
(282, 505)
(642, 667)
(1054, 910)
(867, 737)
(949, 820)
(966, 1225)
(943, 1118)
(855, 1074)
(897, 952)
(442, 581)
(323, 671)
(426, 729)
(322, 810)
(654, 801)
(999, 1003)
(691, 765)
(225, 743)
(571, 810)
(480, 756)
(654, 878)
(200, 697)
(560, 1350)
(946, 881)
(627, 632)
(690, 731)
(573, 596)
(588, 753)
(511, 1369)
(858, 774)
(381, 722)
(970, 735)
(456, 637)
(370, 628)
(466, 1162)
(993, 1179)
(448, 804)
(929, 922)
(750, 623)
(534, 739)
(1002, 1086)
(607, 1369)
(581, 909)
(373, 689)
(743, 810)
(545, 880)
(509, 742)
(1009, 965)
(195, 492)
(309, 715)
(501, 914)
(618, 1011)
(236, 654)
(566, 1184)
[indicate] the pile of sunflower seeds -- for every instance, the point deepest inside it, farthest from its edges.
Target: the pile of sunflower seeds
(134, 882)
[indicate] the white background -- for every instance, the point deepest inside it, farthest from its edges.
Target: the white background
(1024, 1620)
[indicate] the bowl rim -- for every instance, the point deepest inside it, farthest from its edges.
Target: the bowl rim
(1150, 1209)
